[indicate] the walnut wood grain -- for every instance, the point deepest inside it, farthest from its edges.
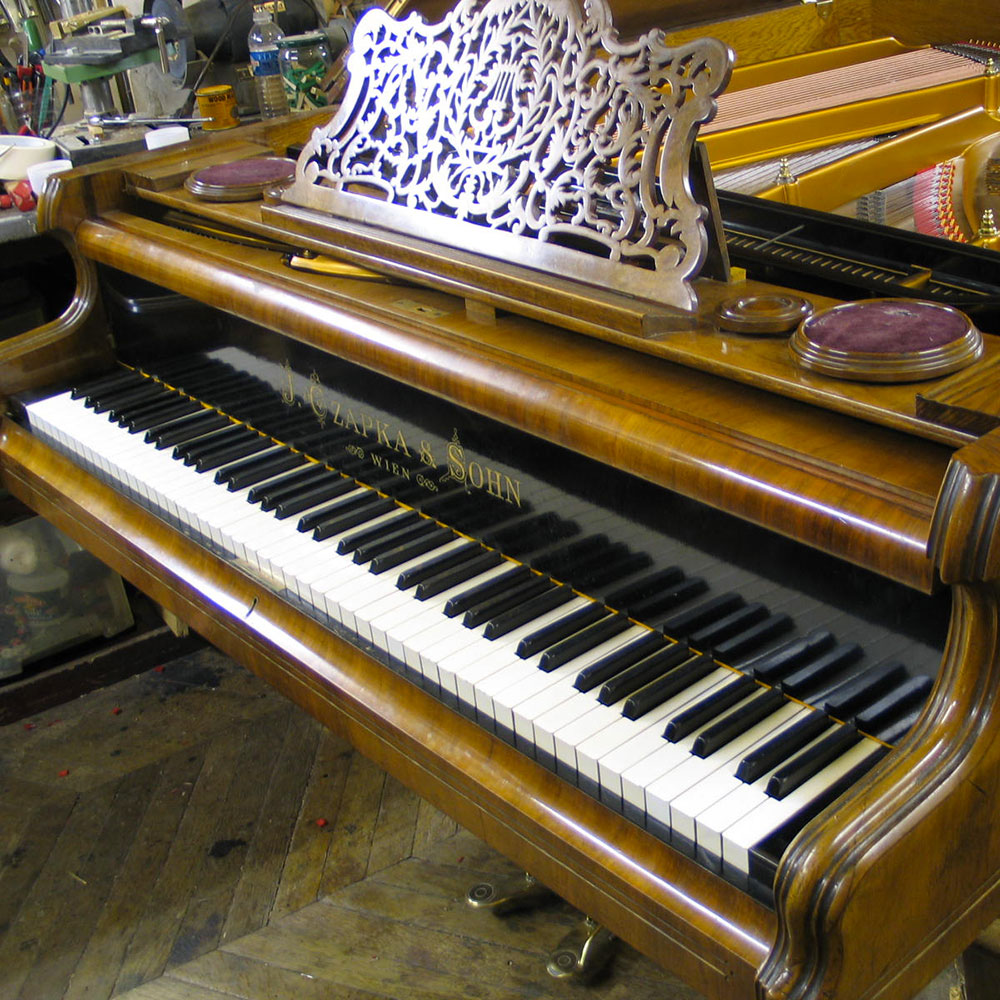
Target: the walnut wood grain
(967, 400)
(77, 341)
(936, 792)
(708, 932)
(870, 503)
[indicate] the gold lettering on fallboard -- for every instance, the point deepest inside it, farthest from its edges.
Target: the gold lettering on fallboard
(475, 475)
(288, 387)
(317, 401)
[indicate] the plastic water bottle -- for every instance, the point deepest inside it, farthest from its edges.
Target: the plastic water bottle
(263, 44)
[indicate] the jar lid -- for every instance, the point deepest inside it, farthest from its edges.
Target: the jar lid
(294, 41)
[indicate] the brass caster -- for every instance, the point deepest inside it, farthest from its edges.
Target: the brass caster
(583, 953)
(519, 893)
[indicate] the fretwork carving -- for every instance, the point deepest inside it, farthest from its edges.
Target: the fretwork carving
(531, 133)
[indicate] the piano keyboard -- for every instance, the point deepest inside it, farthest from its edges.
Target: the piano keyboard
(613, 671)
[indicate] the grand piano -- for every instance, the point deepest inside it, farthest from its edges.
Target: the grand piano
(704, 640)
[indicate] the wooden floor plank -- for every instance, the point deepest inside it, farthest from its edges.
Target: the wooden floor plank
(385, 955)
(302, 874)
(176, 989)
(254, 893)
(248, 979)
(347, 857)
(238, 815)
(95, 873)
(392, 838)
(200, 757)
(126, 907)
(153, 941)
(32, 820)
(56, 887)
(161, 713)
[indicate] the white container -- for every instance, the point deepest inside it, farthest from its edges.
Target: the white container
(38, 173)
(18, 152)
(157, 138)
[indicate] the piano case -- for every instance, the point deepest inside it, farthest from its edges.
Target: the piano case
(511, 439)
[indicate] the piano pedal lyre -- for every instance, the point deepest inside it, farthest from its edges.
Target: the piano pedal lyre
(582, 954)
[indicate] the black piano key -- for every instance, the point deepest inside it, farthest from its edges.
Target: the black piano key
(188, 451)
(734, 648)
(449, 578)
(656, 692)
(893, 731)
(475, 595)
(144, 388)
(811, 761)
(173, 432)
(398, 531)
(579, 642)
(548, 635)
(637, 590)
(708, 707)
(357, 539)
(895, 703)
(726, 627)
(437, 536)
(354, 497)
(790, 741)
(848, 697)
(617, 660)
(232, 451)
(682, 624)
(289, 484)
(640, 674)
(737, 722)
(250, 471)
(653, 608)
(375, 507)
(765, 856)
(776, 664)
(818, 672)
(170, 410)
(448, 560)
(327, 489)
(507, 600)
(507, 621)
(155, 397)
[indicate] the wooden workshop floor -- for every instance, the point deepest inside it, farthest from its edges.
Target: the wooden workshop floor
(188, 835)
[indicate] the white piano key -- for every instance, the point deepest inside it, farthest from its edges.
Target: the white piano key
(753, 828)
(703, 781)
